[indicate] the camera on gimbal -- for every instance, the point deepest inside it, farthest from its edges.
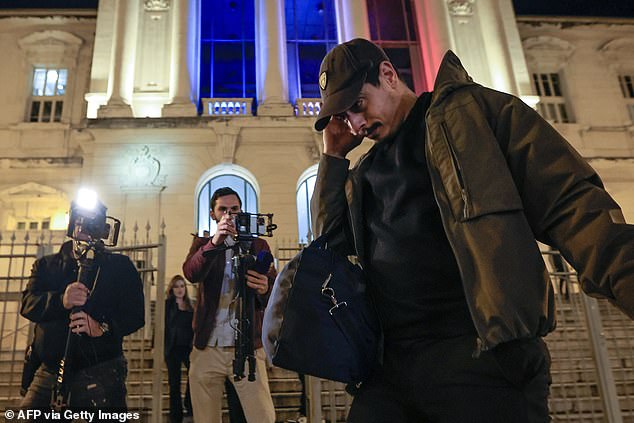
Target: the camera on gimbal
(88, 221)
(253, 225)
(91, 230)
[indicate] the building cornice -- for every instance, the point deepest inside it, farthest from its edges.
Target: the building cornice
(201, 122)
(40, 162)
(569, 21)
(46, 13)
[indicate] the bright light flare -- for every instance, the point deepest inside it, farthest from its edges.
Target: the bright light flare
(86, 199)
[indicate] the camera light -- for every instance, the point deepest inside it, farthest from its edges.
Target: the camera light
(86, 199)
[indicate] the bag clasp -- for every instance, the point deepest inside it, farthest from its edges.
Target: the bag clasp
(329, 292)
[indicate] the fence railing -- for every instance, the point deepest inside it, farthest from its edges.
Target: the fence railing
(227, 106)
(143, 349)
(592, 349)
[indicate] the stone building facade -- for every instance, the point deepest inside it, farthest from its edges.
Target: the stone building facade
(125, 114)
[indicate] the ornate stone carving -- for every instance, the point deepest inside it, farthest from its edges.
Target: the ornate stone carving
(144, 171)
(156, 5)
(460, 7)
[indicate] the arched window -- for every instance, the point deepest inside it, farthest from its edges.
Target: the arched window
(234, 177)
(310, 33)
(305, 187)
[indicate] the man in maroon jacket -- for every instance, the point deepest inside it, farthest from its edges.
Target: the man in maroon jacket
(209, 264)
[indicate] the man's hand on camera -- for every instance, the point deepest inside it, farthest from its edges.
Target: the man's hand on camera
(81, 322)
(257, 281)
(339, 138)
(226, 227)
(75, 295)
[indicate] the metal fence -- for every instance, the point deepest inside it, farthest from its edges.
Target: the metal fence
(19, 250)
(592, 348)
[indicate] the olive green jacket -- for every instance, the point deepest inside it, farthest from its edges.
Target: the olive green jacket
(502, 178)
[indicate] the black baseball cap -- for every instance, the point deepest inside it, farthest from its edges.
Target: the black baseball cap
(342, 74)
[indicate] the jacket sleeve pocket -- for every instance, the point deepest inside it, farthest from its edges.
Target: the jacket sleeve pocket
(473, 170)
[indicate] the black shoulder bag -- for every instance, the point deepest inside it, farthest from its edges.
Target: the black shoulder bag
(320, 320)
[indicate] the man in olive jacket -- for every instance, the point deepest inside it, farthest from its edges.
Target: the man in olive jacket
(459, 185)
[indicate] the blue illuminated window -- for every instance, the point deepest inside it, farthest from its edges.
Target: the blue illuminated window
(227, 49)
(240, 185)
(310, 34)
(392, 27)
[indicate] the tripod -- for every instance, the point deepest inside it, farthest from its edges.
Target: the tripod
(243, 260)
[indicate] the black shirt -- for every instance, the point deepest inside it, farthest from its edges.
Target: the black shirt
(183, 327)
(413, 274)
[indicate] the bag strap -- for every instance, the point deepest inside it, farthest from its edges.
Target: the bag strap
(322, 241)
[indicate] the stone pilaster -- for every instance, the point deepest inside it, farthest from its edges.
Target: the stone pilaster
(271, 67)
(180, 88)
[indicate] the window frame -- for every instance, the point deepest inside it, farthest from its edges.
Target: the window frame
(293, 43)
(55, 101)
(626, 82)
(412, 43)
(305, 222)
(215, 42)
(553, 105)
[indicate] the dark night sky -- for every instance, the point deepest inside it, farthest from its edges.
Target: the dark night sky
(608, 8)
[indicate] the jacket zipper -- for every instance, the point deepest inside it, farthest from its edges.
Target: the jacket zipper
(457, 172)
(354, 237)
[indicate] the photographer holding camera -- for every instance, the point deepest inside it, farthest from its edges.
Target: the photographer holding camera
(99, 311)
(209, 263)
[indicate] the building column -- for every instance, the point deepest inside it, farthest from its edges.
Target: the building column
(496, 47)
(180, 88)
(271, 67)
(352, 19)
(121, 76)
(434, 29)
(519, 69)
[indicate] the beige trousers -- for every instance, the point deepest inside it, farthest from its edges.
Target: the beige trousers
(207, 372)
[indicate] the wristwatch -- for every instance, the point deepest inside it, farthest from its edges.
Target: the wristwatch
(105, 328)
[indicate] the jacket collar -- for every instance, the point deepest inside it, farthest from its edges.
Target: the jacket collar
(451, 76)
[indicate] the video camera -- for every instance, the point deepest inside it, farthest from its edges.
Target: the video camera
(253, 225)
(88, 221)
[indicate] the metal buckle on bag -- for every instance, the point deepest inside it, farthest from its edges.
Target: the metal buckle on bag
(330, 293)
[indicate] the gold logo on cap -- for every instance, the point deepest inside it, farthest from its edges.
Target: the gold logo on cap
(323, 80)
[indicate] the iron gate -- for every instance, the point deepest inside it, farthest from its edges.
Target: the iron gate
(19, 251)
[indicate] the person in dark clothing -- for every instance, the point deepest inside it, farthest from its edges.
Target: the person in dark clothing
(459, 185)
(179, 312)
(112, 306)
